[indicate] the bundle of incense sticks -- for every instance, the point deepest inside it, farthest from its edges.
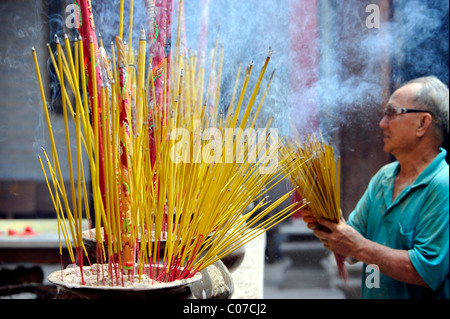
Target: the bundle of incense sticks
(318, 180)
(191, 194)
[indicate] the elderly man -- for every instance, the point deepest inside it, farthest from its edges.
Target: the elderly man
(400, 227)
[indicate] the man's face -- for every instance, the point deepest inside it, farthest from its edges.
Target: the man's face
(399, 129)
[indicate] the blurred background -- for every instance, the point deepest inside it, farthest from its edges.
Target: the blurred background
(337, 63)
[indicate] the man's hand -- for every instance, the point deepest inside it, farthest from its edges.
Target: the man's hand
(308, 218)
(344, 240)
(340, 238)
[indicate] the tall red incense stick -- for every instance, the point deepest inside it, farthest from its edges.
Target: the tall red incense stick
(87, 32)
(159, 38)
(125, 154)
(86, 29)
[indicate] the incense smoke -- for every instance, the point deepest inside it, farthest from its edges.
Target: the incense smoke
(346, 90)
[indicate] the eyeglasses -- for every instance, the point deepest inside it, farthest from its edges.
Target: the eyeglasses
(390, 111)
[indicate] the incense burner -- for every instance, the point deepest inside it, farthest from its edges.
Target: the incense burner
(98, 284)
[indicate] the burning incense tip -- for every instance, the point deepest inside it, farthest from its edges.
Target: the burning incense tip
(33, 49)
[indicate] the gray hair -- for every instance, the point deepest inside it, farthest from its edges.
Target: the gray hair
(433, 94)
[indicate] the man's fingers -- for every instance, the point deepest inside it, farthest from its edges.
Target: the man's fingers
(312, 225)
(309, 219)
(328, 224)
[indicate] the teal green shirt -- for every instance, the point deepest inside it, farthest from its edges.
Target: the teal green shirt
(416, 221)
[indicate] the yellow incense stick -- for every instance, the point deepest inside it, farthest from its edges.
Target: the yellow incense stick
(318, 179)
(194, 205)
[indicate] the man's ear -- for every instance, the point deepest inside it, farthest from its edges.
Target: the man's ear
(425, 122)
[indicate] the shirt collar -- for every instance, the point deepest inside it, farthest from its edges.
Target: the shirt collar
(423, 179)
(428, 173)
(431, 170)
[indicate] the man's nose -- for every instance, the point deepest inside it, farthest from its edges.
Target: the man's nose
(383, 122)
